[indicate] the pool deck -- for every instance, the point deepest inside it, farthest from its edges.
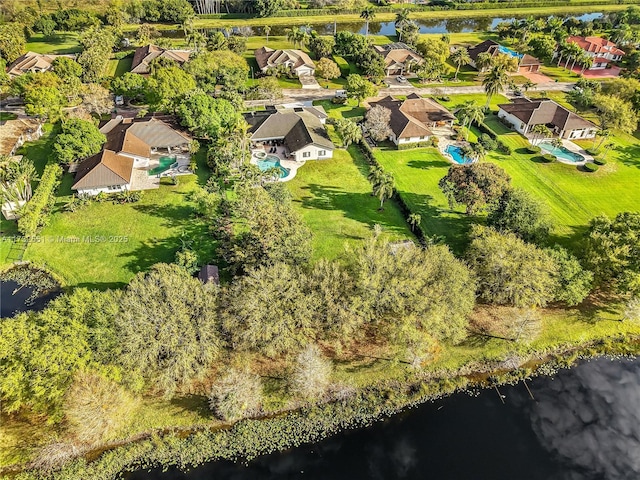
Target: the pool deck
(141, 180)
(569, 145)
(281, 153)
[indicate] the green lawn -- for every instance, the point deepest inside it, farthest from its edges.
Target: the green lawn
(573, 197)
(334, 198)
(60, 42)
(103, 245)
(117, 68)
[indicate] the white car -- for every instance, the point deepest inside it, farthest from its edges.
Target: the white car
(401, 79)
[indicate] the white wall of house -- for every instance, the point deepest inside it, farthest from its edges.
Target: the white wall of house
(404, 140)
(579, 133)
(312, 152)
(518, 124)
(95, 191)
(304, 70)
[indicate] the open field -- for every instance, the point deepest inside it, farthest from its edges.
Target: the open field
(103, 245)
(572, 197)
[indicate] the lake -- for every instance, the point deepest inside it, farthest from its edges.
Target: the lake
(583, 424)
(452, 25)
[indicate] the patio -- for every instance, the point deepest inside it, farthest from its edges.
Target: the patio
(264, 151)
(142, 180)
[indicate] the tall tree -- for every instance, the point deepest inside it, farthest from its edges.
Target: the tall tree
(377, 123)
(475, 185)
(360, 88)
(519, 213)
(384, 188)
(348, 130)
(494, 82)
(168, 327)
(367, 15)
(460, 57)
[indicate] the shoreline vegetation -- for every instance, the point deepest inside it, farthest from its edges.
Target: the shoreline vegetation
(504, 10)
(244, 440)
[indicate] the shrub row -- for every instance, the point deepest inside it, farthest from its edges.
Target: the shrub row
(35, 213)
(407, 146)
(590, 167)
(367, 152)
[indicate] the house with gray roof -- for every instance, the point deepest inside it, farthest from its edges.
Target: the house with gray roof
(524, 114)
(300, 130)
(132, 143)
(296, 60)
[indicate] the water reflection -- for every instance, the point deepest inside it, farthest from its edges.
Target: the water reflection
(583, 425)
(452, 25)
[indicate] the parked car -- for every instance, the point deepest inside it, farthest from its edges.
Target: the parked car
(401, 79)
(119, 100)
(341, 94)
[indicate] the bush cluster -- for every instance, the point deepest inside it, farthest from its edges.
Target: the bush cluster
(35, 213)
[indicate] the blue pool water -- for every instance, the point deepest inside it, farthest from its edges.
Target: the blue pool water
(165, 164)
(508, 51)
(457, 156)
(561, 152)
(272, 162)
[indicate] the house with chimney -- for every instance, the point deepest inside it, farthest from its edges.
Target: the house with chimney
(602, 51)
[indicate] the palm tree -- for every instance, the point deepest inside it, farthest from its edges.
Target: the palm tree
(414, 219)
(402, 18)
(367, 14)
(540, 131)
(267, 31)
(562, 50)
(527, 85)
(16, 178)
(384, 188)
(494, 82)
(460, 56)
(469, 113)
(585, 61)
(478, 152)
(294, 35)
(483, 61)
(604, 134)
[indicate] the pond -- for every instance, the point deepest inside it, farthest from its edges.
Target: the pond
(23, 288)
(452, 25)
(584, 424)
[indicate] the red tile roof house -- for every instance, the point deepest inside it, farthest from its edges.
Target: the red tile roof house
(524, 114)
(131, 143)
(412, 119)
(602, 50)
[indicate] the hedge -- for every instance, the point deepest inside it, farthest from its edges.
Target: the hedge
(502, 147)
(407, 146)
(35, 213)
(533, 149)
(548, 158)
(367, 152)
(590, 167)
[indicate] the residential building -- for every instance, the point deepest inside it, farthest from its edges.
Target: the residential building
(32, 62)
(13, 134)
(526, 63)
(524, 114)
(413, 120)
(296, 60)
(300, 130)
(399, 58)
(143, 57)
(602, 50)
(131, 144)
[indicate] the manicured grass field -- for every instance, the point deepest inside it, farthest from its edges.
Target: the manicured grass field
(60, 42)
(117, 68)
(572, 196)
(103, 245)
(334, 198)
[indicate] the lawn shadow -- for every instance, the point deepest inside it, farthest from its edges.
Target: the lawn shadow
(193, 403)
(428, 164)
(150, 252)
(173, 215)
(630, 155)
(101, 285)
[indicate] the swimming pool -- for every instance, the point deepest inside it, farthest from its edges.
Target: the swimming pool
(165, 164)
(272, 161)
(456, 154)
(508, 51)
(562, 153)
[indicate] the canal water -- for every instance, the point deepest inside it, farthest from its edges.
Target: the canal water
(583, 424)
(452, 25)
(15, 298)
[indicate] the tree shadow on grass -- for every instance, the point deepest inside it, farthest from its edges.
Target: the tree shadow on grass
(150, 252)
(193, 403)
(173, 215)
(424, 164)
(630, 155)
(101, 285)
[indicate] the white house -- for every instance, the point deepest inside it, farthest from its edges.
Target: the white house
(524, 114)
(300, 130)
(602, 51)
(131, 143)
